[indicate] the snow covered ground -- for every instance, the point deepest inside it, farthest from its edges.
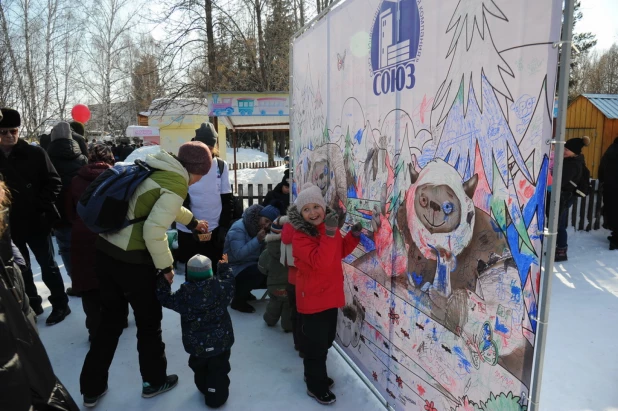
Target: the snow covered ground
(247, 155)
(581, 365)
(267, 373)
(257, 176)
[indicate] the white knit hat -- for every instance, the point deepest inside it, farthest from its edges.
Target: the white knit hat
(310, 194)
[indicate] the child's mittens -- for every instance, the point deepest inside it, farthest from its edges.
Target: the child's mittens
(332, 224)
(356, 230)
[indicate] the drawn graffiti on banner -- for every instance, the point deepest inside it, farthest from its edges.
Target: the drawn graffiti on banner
(438, 149)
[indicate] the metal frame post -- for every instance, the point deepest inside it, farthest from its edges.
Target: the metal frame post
(554, 210)
(234, 132)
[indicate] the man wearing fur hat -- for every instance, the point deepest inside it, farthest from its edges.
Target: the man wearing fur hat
(34, 185)
(572, 170)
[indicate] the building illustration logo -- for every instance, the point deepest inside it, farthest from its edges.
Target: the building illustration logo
(396, 43)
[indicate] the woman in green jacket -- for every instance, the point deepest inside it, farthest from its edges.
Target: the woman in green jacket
(127, 264)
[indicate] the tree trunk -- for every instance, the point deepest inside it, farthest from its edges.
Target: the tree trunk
(270, 148)
(261, 46)
(210, 43)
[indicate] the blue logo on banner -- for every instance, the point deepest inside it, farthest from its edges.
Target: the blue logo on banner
(396, 41)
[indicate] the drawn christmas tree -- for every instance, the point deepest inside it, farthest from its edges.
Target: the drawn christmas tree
(467, 108)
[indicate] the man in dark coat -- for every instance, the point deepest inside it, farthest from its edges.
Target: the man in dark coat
(280, 195)
(608, 176)
(67, 158)
(34, 185)
(125, 149)
(572, 167)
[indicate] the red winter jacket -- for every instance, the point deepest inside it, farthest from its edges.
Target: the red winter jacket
(287, 235)
(319, 280)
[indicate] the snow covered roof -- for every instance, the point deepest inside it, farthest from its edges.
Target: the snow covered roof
(256, 122)
(606, 103)
(177, 107)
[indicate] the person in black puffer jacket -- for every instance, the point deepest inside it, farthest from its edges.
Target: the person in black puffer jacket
(207, 332)
(66, 156)
(280, 195)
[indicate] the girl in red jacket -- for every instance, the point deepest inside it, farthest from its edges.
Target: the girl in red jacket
(318, 248)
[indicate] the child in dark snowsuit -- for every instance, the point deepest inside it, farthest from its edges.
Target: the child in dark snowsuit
(207, 333)
(318, 248)
(276, 280)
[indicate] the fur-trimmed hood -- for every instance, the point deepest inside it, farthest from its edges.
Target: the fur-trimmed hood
(299, 223)
(273, 245)
(251, 219)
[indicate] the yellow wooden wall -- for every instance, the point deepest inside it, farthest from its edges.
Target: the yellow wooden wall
(583, 118)
(610, 132)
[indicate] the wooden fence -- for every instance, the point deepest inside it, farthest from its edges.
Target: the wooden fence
(585, 214)
(257, 164)
(246, 192)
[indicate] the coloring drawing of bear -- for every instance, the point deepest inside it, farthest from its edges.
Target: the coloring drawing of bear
(324, 167)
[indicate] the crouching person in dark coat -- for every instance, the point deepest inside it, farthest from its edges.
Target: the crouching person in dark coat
(207, 333)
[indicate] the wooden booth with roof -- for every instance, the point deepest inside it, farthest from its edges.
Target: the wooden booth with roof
(248, 111)
(596, 116)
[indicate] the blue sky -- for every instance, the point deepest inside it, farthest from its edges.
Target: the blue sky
(600, 18)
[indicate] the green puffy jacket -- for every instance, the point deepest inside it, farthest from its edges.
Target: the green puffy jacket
(270, 265)
(159, 197)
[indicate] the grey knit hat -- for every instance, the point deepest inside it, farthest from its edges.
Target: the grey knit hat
(199, 267)
(61, 130)
(206, 134)
(310, 194)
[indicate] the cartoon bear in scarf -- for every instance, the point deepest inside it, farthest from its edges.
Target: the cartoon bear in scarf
(444, 237)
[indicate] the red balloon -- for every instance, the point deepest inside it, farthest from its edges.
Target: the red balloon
(81, 113)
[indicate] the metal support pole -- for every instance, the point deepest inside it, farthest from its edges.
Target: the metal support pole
(554, 210)
(235, 165)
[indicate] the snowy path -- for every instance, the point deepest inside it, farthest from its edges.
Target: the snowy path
(581, 364)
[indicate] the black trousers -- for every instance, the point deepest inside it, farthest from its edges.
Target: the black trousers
(211, 377)
(249, 279)
(43, 250)
(120, 283)
(188, 247)
(318, 332)
(91, 303)
(296, 319)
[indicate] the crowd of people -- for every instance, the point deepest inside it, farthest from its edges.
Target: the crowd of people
(294, 251)
(296, 257)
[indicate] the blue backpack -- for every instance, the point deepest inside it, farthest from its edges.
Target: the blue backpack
(104, 205)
